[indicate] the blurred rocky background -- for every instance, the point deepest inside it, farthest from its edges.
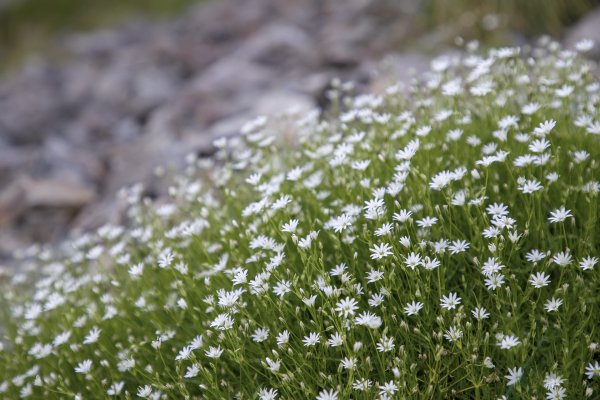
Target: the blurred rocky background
(96, 94)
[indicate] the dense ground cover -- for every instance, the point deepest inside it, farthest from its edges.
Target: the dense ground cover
(438, 241)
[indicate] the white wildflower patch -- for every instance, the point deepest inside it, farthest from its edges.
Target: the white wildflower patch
(435, 242)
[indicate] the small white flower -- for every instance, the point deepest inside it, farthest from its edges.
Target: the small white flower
(385, 344)
(544, 128)
(514, 376)
(283, 338)
(539, 280)
(508, 342)
(260, 335)
(380, 251)
(84, 367)
(368, 319)
(402, 215)
(530, 186)
(562, 258)
(559, 215)
(311, 340)
(534, 255)
(335, 340)
(584, 45)
(267, 394)
(346, 307)
(192, 371)
(480, 313)
(553, 304)
(453, 334)
(328, 395)
(214, 352)
(413, 308)
(450, 302)
(592, 370)
(427, 222)
(144, 392)
(92, 336)
(588, 263)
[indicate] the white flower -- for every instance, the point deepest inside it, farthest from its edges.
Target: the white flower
(380, 251)
(427, 222)
(346, 307)
(362, 384)
(335, 340)
(559, 215)
(84, 367)
(580, 156)
(290, 226)
(311, 340)
(453, 334)
(539, 146)
(556, 393)
(92, 336)
(530, 186)
(412, 260)
(553, 304)
(137, 269)
(494, 281)
(508, 342)
(450, 302)
(385, 344)
(165, 258)
(274, 365)
(564, 91)
(402, 215)
(282, 288)
(593, 128)
(588, 263)
(328, 395)
(514, 375)
(534, 255)
(348, 363)
(214, 352)
(144, 392)
(544, 128)
(458, 246)
(384, 230)
(368, 319)
(283, 338)
(480, 313)
(413, 308)
(584, 45)
(267, 394)
(530, 108)
(539, 280)
(563, 258)
(387, 389)
(184, 353)
(592, 370)
(552, 380)
(192, 371)
(260, 335)
(61, 338)
(126, 364)
(116, 388)
(374, 276)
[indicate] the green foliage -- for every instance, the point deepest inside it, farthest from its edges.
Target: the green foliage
(438, 241)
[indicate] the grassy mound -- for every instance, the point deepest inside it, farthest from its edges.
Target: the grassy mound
(439, 241)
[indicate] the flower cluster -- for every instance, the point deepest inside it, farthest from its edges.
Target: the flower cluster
(435, 241)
